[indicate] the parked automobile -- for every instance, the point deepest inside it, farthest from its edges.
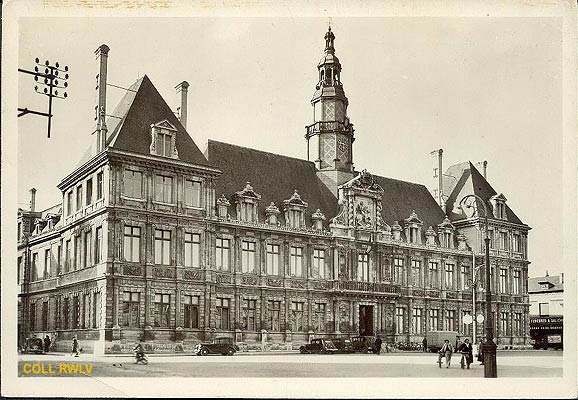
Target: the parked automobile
(34, 345)
(318, 346)
(343, 345)
(363, 344)
(224, 346)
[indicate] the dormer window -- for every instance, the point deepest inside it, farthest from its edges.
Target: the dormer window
(247, 202)
(294, 209)
(499, 206)
(163, 140)
(413, 227)
(446, 233)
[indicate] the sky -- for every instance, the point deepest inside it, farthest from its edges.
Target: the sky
(479, 88)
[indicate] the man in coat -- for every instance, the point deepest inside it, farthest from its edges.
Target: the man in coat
(377, 346)
(446, 351)
(466, 349)
(424, 343)
(47, 343)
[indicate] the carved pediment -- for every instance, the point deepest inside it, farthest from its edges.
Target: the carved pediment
(295, 200)
(248, 192)
(446, 224)
(413, 219)
(165, 124)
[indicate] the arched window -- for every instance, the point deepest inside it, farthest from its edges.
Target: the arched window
(322, 75)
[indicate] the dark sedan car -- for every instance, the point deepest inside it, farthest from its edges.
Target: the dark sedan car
(319, 346)
(363, 344)
(224, 346)
(343, 345)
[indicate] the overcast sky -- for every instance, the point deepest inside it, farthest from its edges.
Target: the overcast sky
(480, 88)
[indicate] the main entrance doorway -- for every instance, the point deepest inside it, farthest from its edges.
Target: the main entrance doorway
(366, 320)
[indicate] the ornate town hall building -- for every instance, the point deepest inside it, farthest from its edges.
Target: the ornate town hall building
(156, 240)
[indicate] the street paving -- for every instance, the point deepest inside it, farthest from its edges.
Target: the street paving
(510, 364)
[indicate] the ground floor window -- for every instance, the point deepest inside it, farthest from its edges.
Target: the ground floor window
(249, 312)
(45, 316)
(518, 324)
(95, 305)
(131, 309)
(416, 320)
(86, 311)
(434, 315)
(399, 317)
(274, 315)
(297, 316)
(320, 316)
(450, 320)
(162, 310)
(503, 323)
(191, 309)
(75, 312)
(66, 312)
(32, 316)
(223, 313)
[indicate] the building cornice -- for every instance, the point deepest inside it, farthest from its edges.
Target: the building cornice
(83, 170)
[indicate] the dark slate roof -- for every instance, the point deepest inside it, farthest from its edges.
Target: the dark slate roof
(272, 176)
(140, 107)
(401, 198)
(470, 181)
(555, 284)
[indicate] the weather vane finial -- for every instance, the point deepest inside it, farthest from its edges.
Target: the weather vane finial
(329, 23)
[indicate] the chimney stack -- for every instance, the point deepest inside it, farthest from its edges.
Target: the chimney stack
(33, 199)
(438, 165)
(483, 165)
(101, 130)
(183, 88)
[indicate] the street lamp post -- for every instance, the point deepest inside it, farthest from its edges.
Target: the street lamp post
(489, 347)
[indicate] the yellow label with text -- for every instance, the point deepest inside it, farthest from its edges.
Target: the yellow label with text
(69, 369)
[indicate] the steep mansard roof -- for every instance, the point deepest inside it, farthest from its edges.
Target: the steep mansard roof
(468, 180)
(552, 284)
(275, 177)
(142, 106)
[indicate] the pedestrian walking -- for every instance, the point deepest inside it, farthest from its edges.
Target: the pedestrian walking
(47, 342)
(74, 346)
(480, 353)
(377, 345)
(424, 343)
(446, 351)
(467, 356)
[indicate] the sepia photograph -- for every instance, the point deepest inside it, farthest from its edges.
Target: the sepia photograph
(259, 200)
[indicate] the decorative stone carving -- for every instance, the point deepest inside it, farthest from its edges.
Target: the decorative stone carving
(341, 218)
(247, 201)
(134, 270)
(318, 219)
(413, 227)
(223, 278)
(462, 242)
(249, 280)
(430, 236)
(192, 275)
(222, 206)
(274, 282)
(396, 230)
(271, 213)
(363, 216)
(294, 208)
(163, 273)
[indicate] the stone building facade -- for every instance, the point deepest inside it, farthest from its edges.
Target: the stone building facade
(156, 240)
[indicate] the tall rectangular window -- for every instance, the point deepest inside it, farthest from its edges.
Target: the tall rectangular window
(164, 189)
(320, 317)
(192, 249)
(45, 316)
(399, 271)
(249, 313)
(296, 261)
(78, 197)
(99, 185)
(503, 280)
(89, 192)
(133, 184)
(77, 252)
(363, 267)
(503, 323)
(450, 320)
(66, 312)
(163, 144)
(68, 260)
(69, 203)
(98, 245)
(516, 281)
(449, 276)
(222, 248)
(516, 243)
(416, 272)
(131, 309)
(504, 240)
(192, 193)
(46, 271)
(87, 253)
(465, 272)
(247, 257)
(399, 317)
(33, 316)
(434, 316)
(34, 267)
(132, 243)
(58, 258)
(416, 326)
(319, 262)
(86, 311)
(275, 315)
(517, 324)
(272, 259)
(296, 316)
(433, 274)
(162, 310)
(75, 312)
(95, 309)
(223, 309)
(162, 247)
(191, 310)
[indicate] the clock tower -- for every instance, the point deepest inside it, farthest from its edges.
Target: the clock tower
(330, 137)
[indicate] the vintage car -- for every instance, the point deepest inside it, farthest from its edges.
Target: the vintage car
(223, 345)
(319, 346)
(363, 344)
(34, 345)
(343, 345)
